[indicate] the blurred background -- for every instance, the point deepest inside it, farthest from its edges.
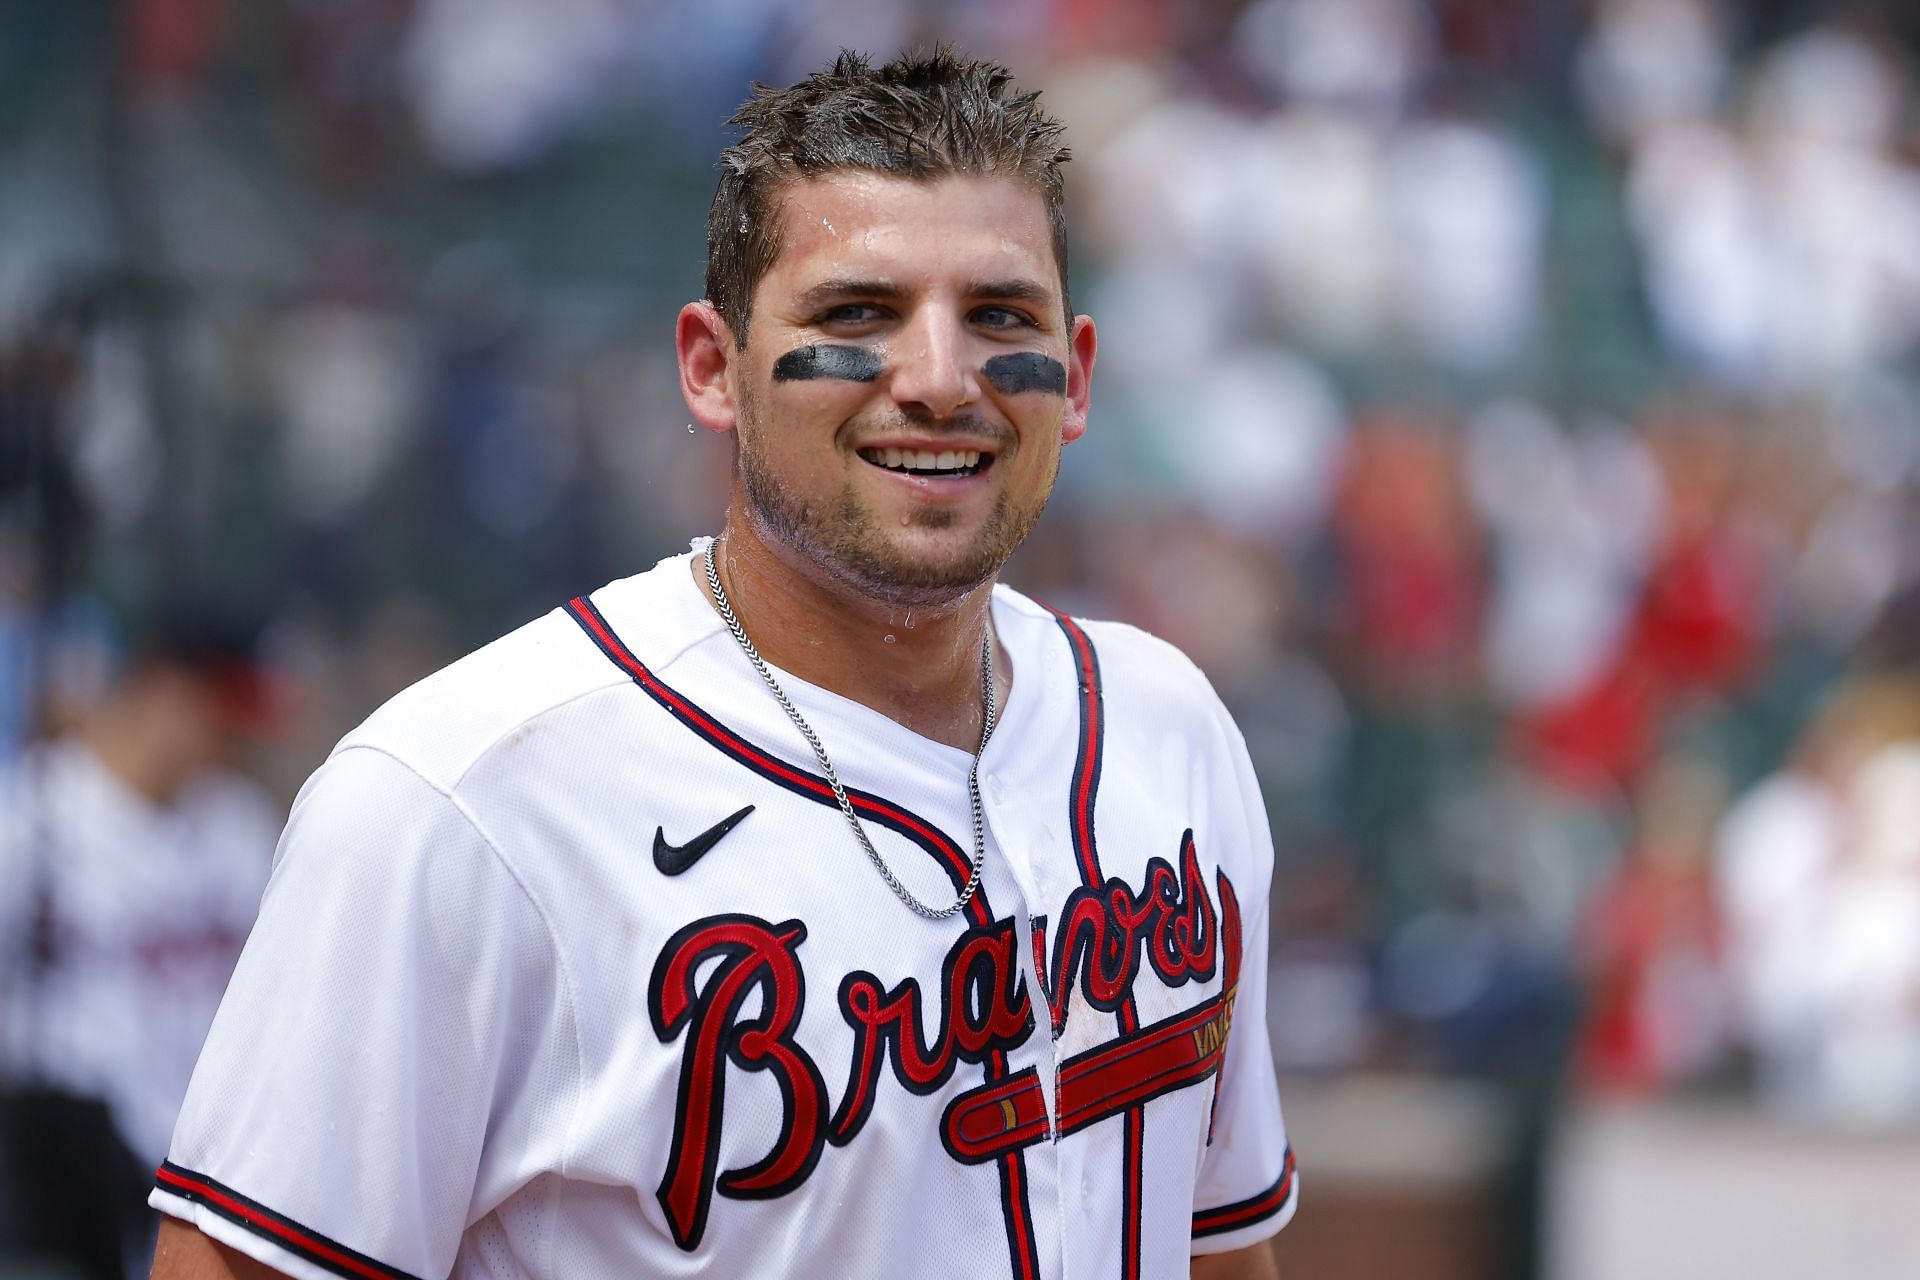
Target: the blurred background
(1513, 406)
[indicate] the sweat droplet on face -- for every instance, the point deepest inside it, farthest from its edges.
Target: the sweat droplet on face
(888, 638)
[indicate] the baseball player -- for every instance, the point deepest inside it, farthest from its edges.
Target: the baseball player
(131, 862)
(807, 905)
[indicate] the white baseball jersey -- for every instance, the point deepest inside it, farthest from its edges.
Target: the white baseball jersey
(145, 907)
(570, 967)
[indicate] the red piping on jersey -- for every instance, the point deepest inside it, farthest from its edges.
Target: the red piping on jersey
(1136, 1131)
(1013, 1194)
(1024, 1251)
(1086, 782)
(589, 618)
(1086, 767)
(263, 1221)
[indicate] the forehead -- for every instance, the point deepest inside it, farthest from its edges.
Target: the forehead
(856, 225)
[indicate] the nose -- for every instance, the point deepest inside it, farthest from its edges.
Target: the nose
(933, 375)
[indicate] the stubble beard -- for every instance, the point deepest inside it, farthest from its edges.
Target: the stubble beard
(849, 544)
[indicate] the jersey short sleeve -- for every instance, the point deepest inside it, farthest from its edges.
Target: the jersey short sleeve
(394, 1037)
(1246, 1190)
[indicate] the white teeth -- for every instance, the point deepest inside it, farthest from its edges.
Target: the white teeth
(923, 459)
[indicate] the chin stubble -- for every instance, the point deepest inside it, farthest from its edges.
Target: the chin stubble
(844, 539)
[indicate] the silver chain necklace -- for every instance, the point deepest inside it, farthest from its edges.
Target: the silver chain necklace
(826, 766)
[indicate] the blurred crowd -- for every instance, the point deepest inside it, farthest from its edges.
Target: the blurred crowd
(1512, 407)
(1534, 470)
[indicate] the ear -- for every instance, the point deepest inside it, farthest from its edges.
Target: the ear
(703, 342)
(1081, 348)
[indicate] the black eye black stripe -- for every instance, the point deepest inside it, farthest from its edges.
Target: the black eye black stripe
(848, 364)
(1015, 373)
(1022, 371)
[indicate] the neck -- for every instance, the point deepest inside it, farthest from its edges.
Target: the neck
(919, 666)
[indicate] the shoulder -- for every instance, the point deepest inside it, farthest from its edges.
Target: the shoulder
(1139, 674)
(442, 726)
(1143, 660)
(1159, 724)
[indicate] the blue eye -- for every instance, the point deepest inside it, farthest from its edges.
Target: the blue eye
(850, 313)
(1001, 318)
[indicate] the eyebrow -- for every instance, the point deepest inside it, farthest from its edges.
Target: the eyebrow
(828, 290)
(1014, 290)
(1011, 290)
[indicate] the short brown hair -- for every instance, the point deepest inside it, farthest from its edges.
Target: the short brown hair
(923, 115)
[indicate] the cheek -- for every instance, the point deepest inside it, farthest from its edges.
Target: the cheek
(1043, 428)
(813, 390)
(801, 423)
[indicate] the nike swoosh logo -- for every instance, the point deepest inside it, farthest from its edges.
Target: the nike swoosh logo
(672, 859)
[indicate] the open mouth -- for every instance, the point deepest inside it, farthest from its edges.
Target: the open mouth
(927, 462)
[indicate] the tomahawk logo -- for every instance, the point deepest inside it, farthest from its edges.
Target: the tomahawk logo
(706, 975)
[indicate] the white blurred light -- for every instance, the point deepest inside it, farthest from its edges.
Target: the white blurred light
(1649, 63)
(1364, 56)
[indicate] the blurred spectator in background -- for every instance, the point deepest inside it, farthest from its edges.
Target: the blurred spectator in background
(1651, 951)
(1782, 249)
(132, 858)
(1818, 874)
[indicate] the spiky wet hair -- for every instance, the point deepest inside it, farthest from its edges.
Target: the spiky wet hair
(923, 116)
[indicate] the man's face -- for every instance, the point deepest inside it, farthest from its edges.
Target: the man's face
(908, 380)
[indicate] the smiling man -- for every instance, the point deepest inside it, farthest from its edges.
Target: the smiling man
(808, 905)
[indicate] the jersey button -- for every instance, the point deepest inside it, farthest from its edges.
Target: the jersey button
(996, 788)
